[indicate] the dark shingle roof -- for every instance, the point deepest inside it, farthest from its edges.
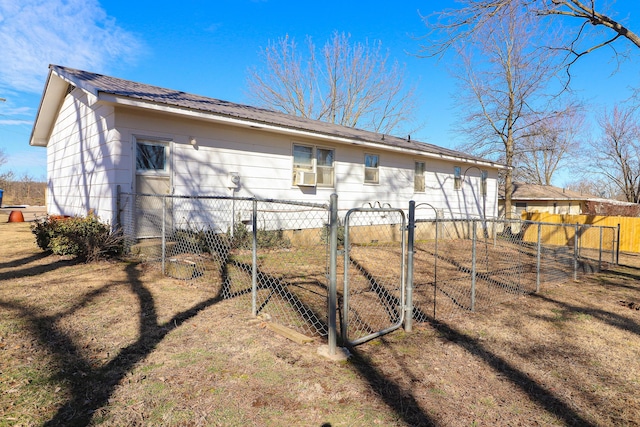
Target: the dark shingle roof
(174, 98)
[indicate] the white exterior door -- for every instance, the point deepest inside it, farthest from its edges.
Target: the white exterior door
(153, 180)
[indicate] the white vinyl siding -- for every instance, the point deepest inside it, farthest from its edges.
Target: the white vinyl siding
(264, 161)
(84, 159)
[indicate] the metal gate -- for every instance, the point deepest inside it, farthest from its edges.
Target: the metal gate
(374, 273)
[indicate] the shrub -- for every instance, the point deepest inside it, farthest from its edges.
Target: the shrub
(242, 238)
(205, 240)
(86, 238)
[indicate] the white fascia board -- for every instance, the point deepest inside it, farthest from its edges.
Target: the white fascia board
(52, 96)
(234, 121)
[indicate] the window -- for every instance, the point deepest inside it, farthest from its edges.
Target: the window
(457, 177)
(324, 166)
(371, 169)
(483, 182)
(418, 178)
(313, 166)
(151, 156)
(520, 207)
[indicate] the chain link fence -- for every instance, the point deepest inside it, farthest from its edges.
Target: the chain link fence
(463, 265)
(285, 259)
(373, 298)
(271, 253)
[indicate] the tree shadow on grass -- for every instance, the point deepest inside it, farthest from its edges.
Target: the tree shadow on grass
(406, 406)
(401, 401)
(33, 270)
(22, 261)
(632, 274)
(617, 321)
(90, 386)
(536, 392)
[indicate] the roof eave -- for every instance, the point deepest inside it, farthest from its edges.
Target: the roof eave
(46, 112)
(547, 199)
(270, 127)
(53, 95)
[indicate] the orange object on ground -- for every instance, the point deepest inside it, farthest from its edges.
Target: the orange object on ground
(16, 216)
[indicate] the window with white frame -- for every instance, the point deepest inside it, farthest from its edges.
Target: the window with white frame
(151, 156)
(484, 175)
(313, 166)
(418, 177)
(324, 167)
(371, 169)
(457, 177)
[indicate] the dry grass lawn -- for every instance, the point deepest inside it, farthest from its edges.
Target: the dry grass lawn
(116, 344)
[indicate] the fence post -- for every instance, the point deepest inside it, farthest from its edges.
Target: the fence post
(435, 270)
(254, 257)
(538, 252)
(473, 265)
(618, 246)
(118, 207)
(575, 252)
(408, 318)
(164, 233)
(333, 268)
(600, 251)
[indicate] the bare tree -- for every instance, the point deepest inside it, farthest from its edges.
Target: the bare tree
(3, 157)
(551, 145)
(616, 153)
(504, 94)
(344, 83)
(594, 185)
(453, 25)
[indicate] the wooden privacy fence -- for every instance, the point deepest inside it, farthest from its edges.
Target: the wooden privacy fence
(629, 226)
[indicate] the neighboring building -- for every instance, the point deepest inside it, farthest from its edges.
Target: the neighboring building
(102, 132)
(549, 199)
(543, 198)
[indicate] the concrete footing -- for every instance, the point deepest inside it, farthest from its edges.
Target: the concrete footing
(341, 353)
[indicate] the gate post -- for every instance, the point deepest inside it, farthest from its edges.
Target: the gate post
(333, 268)
(408, 317)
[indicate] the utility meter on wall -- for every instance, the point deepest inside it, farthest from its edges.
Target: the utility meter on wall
(233, 180)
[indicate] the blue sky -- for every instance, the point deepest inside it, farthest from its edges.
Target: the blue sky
(206, 47)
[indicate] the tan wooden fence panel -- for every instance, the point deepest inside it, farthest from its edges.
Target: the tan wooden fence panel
(629, 226)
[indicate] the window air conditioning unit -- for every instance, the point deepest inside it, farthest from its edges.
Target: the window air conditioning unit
(303, 178)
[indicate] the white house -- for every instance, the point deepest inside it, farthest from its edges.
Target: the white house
(102, 132)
